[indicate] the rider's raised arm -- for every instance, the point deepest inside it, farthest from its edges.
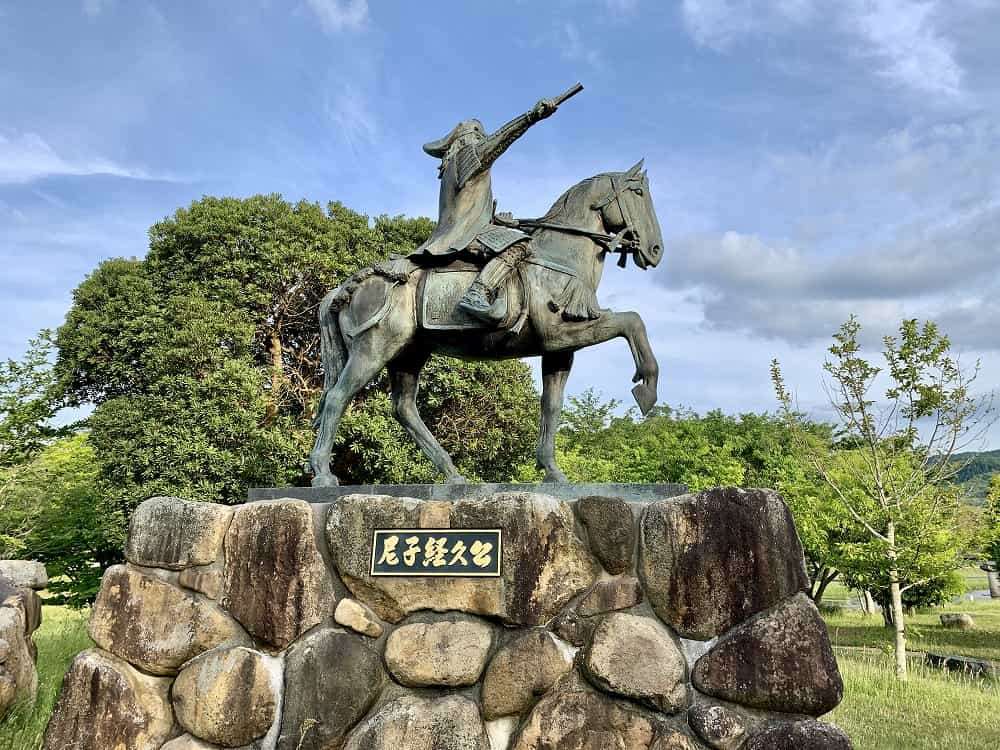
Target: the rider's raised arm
(494, 145)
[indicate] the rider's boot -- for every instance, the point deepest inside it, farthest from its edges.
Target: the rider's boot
(489, 282)
(476, 302)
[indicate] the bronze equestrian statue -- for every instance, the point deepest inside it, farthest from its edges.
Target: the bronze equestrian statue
(487, 286)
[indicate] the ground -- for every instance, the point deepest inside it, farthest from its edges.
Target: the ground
(932, 711)
(62, 636)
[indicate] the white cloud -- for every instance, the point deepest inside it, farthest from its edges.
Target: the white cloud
(950, 274)
(621, 7)
(913, 52)
(94, 8)
(902, 37)
(27, 157)
(718, 23)
(350, 110)
(893, 225)
(575, 48)
(338, 15)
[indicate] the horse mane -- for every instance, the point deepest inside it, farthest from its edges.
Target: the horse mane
(559, 206)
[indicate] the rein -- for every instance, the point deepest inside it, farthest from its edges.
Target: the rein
(612, 243)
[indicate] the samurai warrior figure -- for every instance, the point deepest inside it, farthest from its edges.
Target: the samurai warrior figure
(467, 220)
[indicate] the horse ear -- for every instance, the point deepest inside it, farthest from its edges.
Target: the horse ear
(635, 168)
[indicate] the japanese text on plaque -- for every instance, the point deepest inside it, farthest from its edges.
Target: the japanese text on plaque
(436, 552)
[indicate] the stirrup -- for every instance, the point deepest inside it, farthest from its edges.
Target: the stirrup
(476, 303)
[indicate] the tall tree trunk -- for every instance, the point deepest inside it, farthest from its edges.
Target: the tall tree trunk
(896, 602)
(869, 602)
(865, 601)
(825, 577)
(277, 375)
(994, 583)
(887, 615)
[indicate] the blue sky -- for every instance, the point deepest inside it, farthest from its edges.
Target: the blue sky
(807, 159)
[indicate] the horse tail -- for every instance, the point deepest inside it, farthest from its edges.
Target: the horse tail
(333, 348)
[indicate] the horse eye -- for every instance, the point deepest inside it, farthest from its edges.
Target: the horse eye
(638, 191)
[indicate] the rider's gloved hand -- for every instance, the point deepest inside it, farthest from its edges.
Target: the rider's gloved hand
(543, 109)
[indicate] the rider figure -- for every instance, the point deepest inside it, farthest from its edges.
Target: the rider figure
(466, 207)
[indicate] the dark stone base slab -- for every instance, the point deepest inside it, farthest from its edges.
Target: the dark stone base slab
(633, 493)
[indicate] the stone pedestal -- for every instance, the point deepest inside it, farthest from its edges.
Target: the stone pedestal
(676, 622)
(20, 616)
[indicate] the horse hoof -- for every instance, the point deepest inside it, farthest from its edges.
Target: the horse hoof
(325, 480)
(456, 479)
(555, 477)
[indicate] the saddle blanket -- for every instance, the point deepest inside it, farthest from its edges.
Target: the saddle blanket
(441, 291)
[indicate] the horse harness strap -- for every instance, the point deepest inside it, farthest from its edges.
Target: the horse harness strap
(612, 243)
(616, 195)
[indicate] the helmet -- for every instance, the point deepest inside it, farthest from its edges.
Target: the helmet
(440, 147)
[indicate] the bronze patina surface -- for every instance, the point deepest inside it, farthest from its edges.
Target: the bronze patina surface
(488, 286)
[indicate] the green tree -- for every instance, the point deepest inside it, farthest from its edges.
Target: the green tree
(65, 519)
(29, 399)
(894, 483)
(203, 359)
(597, 444)
(991, 522)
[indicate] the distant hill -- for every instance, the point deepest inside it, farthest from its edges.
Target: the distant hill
(974, 476)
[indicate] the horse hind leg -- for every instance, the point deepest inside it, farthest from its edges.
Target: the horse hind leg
(357, 373)
(555, 373)
(404, 379)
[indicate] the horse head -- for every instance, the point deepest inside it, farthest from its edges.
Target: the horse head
(628, 210)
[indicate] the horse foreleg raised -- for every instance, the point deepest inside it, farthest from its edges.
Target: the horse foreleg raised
(404, 377)
(610, 325)
(357, 373)
(555, 373)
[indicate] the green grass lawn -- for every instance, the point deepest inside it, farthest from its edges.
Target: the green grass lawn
(838, 593)
(62, 636)
(933, 711)
(924, 631)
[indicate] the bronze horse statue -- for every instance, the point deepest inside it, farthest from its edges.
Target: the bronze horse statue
(397, 315)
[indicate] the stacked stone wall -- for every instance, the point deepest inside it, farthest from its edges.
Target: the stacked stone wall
(20, 616)
(671, 625)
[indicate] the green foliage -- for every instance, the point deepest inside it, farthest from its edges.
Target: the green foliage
(934, 593)
(894, 482)
(62, 635)
(484, 413)
(28, 401)
(203, 360)
(598, 445)
(973, 471)
(929, 537)
(65, 521)
(991, 521)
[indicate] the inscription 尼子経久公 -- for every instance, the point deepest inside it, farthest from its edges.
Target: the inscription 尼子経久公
(436, 552)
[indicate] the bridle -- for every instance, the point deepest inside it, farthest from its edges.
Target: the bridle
(629, 226)
(611, 243)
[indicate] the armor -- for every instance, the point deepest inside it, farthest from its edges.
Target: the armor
(466, 205)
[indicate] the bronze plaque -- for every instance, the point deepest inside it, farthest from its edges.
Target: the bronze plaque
(459, 553)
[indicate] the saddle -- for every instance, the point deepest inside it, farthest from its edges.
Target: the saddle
(441, 287)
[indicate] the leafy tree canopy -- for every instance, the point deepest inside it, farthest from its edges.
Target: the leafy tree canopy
(991, 521)
(62, 519)
(203, 359)
(28, 401)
